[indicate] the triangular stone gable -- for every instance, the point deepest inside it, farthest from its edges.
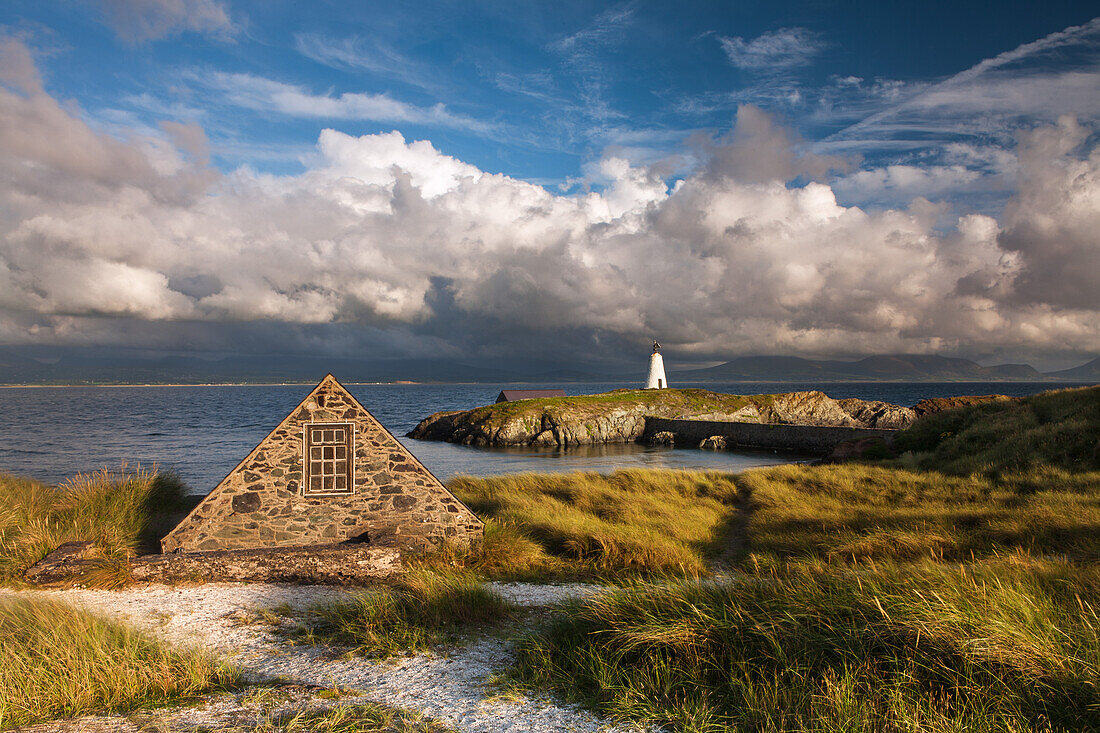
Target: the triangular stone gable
(391, 500)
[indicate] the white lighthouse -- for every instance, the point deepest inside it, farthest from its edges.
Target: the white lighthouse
(656, 378)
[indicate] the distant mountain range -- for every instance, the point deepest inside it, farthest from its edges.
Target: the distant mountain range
(888, 367)
(72, 366)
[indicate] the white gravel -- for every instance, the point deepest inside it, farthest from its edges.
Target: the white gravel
(450, 686)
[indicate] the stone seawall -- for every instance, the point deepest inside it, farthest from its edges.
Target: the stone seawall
(809, 439)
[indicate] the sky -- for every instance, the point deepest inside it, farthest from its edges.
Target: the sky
(556, 182)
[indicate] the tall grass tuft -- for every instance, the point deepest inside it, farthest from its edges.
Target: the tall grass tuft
(1008, 648)
(420, 611)
(628, 522)
(121, 511)
(59, 661)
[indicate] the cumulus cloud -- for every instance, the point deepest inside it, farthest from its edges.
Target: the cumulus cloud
(780, 49)
(102, 238)
(1054, 221)
(137, 21)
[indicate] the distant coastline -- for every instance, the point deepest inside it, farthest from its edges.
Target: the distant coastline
(626, 383)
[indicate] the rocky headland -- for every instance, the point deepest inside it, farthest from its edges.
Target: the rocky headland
(620, 416)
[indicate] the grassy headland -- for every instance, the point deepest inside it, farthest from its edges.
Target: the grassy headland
(59, 661)
(1060, 428)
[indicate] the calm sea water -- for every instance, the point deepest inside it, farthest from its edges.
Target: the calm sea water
(51, 433)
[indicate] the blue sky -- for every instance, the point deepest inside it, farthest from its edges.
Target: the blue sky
(913, 117)
(537, 91)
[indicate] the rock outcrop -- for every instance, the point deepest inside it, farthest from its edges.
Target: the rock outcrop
(940, 404)
(620, 416)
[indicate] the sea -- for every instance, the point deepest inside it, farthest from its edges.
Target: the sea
(202, 432)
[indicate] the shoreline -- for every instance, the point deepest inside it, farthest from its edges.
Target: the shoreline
(1082, 383)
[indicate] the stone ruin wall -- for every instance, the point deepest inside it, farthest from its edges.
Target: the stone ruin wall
(809, 439)
(396, 502)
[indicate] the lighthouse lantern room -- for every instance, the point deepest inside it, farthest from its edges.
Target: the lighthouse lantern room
(656, 378)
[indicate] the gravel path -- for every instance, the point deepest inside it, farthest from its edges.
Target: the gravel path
(450, 686)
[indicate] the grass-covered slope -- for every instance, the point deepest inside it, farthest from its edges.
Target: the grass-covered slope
(59, 661)
(1059, 428)
(627, 522)
(851, 513)
(121, 512)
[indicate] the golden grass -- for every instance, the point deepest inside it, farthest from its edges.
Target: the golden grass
(59, 661)
(647, 522)
(421, 610)
(1007, 646)
(120, 511)
(855, 512)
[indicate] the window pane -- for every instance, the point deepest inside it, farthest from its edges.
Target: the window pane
(315, 454)
(315, 483)
(341, 483)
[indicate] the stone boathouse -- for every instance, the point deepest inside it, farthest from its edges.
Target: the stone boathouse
(329, 473)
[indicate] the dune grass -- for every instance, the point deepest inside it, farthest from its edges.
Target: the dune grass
(59, 661)
(422, 610)
(1006, 647)
(122, 512)
(854, 512)
(590, 524)
(1060, 429)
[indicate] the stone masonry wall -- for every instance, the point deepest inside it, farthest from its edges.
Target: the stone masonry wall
(809, 439)
(396, 501)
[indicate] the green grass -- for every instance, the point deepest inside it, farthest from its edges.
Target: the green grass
(422, 610)
(587, 524)
(854, 512)
(59, 661)
(1053, 429)
(121, 512)
(1011, 647)
(687, 401)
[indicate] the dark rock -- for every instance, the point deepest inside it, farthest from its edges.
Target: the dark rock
(69, 562)
(939, 404)
(863, 449)
(404, 502)
(247, 502)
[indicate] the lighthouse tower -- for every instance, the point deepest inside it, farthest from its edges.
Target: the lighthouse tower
(656, 378)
